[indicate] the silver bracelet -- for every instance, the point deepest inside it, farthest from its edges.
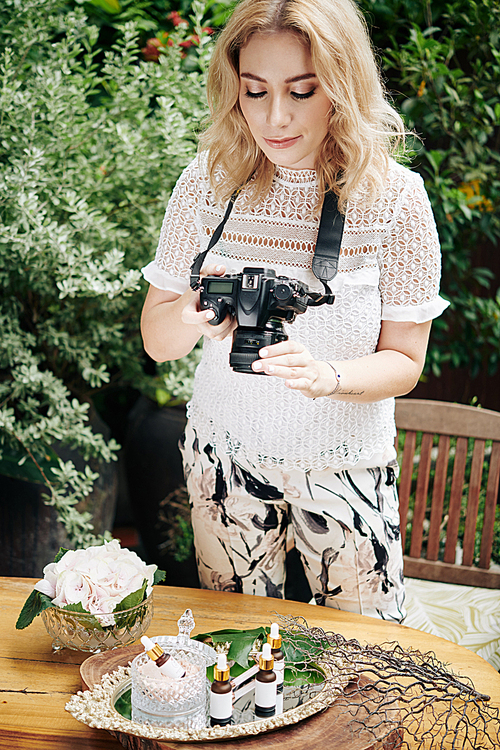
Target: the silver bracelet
(337, 385)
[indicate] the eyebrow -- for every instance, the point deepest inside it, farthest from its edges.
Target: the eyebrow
(303, 77)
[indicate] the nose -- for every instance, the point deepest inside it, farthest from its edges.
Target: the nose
(279, 115)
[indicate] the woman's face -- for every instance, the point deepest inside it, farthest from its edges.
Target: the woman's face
(281, 99)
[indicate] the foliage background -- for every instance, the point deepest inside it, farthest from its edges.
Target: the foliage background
(441, 64)
(100, 105)
(92, 142)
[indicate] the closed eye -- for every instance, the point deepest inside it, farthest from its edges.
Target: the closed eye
(294, 94)
(302, 96)
(252, 95)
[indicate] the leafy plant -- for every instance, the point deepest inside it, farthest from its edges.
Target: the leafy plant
(174, 524)
(89, 153)
(156, 22)
(442, 62)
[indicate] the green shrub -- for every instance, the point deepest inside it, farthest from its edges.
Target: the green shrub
(88, 157)
(442, 61)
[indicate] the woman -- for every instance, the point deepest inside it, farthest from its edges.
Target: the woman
(297, 107)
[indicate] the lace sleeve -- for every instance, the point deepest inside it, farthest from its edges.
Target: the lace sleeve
(411, 262)
(179, 237)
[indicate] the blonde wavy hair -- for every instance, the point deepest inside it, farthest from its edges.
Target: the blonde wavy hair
(364, 129)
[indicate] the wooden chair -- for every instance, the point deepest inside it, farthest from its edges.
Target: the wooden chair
(450, 441)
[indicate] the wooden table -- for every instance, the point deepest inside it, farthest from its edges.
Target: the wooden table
(35, 683)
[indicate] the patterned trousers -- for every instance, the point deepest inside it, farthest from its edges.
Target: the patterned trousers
(345, 526)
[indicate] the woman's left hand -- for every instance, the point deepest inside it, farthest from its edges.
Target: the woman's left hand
(292, 362)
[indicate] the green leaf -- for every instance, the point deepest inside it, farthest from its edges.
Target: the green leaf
(91, 622)
(299, 651)
(110, 6)
(241, 641)
(158, 577)
(123, 704)
(133, 599)
(61, 553)
(76, 607)
(298, 648)
(34, 604)
(19, 465)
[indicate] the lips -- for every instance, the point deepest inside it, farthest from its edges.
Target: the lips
(282, 142)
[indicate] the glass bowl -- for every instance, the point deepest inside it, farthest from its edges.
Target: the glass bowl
(160, 700)
(95, 633)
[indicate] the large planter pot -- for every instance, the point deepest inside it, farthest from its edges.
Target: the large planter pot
(153, 468)
(30, 534)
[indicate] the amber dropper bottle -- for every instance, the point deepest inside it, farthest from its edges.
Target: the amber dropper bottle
(165, 663)
(221, 694)
(274, 640)
(265, 684)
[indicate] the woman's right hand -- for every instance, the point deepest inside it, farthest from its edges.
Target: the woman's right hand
(192, 315)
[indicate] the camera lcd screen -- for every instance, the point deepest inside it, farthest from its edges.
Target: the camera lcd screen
(220, 287)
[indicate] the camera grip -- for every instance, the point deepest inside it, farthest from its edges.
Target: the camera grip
(220, 311)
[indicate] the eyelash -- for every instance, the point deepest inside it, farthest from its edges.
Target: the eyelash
(297, 97)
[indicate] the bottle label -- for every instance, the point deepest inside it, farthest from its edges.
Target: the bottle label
(265, 694)
(221, 705)
(279, 670)
(172, 668)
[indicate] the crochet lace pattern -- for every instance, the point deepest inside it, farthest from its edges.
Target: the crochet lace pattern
(389, 268)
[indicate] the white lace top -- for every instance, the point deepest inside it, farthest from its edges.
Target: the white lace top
(389, 269)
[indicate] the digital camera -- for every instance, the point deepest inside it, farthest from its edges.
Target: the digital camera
(260, 301)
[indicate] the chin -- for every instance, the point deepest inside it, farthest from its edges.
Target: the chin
(280, 160)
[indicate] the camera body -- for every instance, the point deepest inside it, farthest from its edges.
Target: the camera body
(260, 301)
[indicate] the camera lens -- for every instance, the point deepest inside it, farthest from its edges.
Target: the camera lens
(282, 292)
(248, 341)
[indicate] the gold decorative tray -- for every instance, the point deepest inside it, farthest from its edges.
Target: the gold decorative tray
(106, 677)
(97, 707)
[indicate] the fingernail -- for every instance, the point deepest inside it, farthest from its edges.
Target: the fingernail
(219, 268)
(257, 365)
(270, 368)
(209, 314)
(263, 352)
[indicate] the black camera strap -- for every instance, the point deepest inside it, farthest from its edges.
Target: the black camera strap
(200, 258)
(326, 254)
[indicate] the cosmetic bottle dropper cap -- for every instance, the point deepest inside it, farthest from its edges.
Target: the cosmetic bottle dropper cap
(153, 650)
(274, 637)
(221, 670)
(266, 660)
(169, 666)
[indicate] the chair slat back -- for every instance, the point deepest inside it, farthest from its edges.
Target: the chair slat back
(443, 491)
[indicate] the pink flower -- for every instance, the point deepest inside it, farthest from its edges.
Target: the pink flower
(99, 578)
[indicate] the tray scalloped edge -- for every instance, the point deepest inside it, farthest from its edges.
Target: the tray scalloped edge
(96, 709)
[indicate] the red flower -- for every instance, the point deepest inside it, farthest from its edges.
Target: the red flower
(154, 46)
(176, 19)
(190, 41)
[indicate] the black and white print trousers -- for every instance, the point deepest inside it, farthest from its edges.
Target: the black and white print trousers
(345, 526)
